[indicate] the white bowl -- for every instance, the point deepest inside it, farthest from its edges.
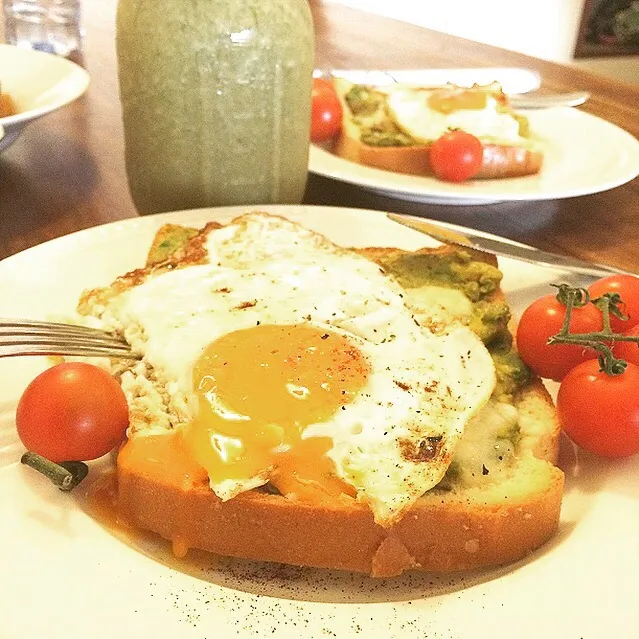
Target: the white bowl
(39, 83)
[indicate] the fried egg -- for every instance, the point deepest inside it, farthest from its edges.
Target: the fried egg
(426, 114)
(285, 359)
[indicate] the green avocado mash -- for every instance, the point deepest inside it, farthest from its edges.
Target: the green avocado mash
(478, 280)
(370, 114)
(169, 241)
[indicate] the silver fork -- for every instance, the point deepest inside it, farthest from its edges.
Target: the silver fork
(32, 337)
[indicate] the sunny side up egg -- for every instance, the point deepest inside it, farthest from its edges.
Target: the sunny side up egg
(286, 359)
(411, 109)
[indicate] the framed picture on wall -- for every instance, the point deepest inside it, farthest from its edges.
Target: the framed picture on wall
(608, 27)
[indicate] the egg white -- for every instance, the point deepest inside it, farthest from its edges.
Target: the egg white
(409, 109)
(264, 269)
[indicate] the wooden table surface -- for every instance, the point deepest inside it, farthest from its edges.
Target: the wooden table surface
(66, 172)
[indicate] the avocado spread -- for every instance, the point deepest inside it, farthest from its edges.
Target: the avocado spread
(371, 115)
(479, 281)
(169, 241)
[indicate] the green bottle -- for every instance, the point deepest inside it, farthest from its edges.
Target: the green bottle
(216, 101)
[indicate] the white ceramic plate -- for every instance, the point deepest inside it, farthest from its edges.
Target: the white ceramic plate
(39, 83)
(582, 154)
(63, 575)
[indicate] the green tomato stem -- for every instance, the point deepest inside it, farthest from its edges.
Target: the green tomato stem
(600, 340)
(66, 476)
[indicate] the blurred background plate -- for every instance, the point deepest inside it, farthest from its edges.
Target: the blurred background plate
(38, 83)
(583, 154)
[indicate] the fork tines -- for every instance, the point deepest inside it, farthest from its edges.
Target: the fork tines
(33, 337)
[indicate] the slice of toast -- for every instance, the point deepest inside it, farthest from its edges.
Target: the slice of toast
(376, 139)
(499, 501)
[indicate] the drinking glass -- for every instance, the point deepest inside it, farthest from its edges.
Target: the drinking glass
(45, 25)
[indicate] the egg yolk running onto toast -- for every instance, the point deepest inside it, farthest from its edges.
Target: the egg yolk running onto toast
(257, 390)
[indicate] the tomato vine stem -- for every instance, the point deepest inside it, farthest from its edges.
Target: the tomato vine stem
(601, 341)
(66, 475)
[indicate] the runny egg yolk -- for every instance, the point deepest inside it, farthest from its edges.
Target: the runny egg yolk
(258, 389)
(447, 101)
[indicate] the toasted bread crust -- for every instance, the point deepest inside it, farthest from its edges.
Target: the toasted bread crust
(441, 533)
(499, 160)
(445, 531)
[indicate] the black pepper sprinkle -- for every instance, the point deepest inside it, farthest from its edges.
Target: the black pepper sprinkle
(484, 470)
(325, 336)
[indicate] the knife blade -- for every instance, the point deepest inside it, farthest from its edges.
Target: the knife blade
(504, 248)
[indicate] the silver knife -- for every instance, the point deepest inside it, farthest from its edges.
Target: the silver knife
(505, 249)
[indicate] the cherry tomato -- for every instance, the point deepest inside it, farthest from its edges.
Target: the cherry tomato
(543, 319)
(600, 412)
(326, 111)
(456, 156)
(628, 287)
(72, 412)
(628, 350)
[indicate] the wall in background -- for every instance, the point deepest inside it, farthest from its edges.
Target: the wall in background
(544, 29)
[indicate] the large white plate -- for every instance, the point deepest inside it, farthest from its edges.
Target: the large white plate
(39, 83)
(63, 575)
(582, 154)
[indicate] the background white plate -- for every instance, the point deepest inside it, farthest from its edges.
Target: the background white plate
(39, 83)
(63, 575)
(582, 154)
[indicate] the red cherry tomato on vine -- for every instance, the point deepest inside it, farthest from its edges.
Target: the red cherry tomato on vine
(628, 351)
(627, 286)
(456, 156)
(600, 412)
(543, 319)
(72, 412)
(326, 111)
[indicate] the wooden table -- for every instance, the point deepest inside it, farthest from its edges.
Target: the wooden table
(66, 172)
